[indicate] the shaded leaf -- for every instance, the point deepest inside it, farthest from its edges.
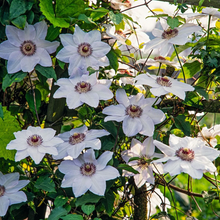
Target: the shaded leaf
(88, 198)
(48, 72)
(31, 101)
(57, 213)
(72, 217)
(116, 18)
(182, 124)
(45, 183)
(88, 209)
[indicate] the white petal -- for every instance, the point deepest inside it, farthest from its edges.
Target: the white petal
(29, 62)
(6, 48)
(75, 150)
(95, 144)
(90, 98)
(78, 36)
(100, 49)
(21, 155)
(122, 98)
(187, 168)
(67, 167)
(103, 160)
(66, 53)
(45, 59)
(173, 167)
(131, 126)
(164, 148)
(14, 62)
(93, 134)
(29, 33)
(158, 91)
(16, 197)
(12, 34)
(108, 173)
(103, 91)
(93, 36)
(20, 184)
(67, 39)
(35, 154)
(147, 126)
(89, 156)
(116, 110)
(41, 29)
(47, 150)
(98, 186)
(114, 118)
(4, 201)
(81, 185)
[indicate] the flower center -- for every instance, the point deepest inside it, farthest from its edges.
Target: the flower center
(88, 169)
(185, 154)
(83, 87)
(77, 138)
(122, 71)
(28, 48)
(35, 140)
(143, 162)
(2, 190)
(126, 3)
(133, 111)
(85, 49)
(169, 33)
(163, 81)
(159, 58)
(121, 33)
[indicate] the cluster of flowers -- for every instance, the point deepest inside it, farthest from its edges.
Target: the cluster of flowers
(26, 48)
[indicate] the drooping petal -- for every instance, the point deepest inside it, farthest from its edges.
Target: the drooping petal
(29, 62)
(90, 98)
(81, 185)
(98, 186)
(21, 154)
(35, 154)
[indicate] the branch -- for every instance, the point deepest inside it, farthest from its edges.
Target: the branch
(206, 3)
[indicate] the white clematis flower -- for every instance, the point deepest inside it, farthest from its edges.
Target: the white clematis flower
(166, 38)
(34, 142)
(77, 140)
(187, 155)
(163, 85)
(83, 50)
(136, 112)
(84, 89)
(209, 134)
(86, 173)
(26, 48)
(146, 152)
(9, 191)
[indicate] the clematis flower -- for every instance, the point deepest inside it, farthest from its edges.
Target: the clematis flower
(77, 140)
(86, 173)
(187, 155)
(34, 142)
(163, 85)
(83, 50)
(156, 199)
(26, 48)
(136, 112)
(84, 89)
(166, 38)
(9, 191)
(145, 152)
(210, 134)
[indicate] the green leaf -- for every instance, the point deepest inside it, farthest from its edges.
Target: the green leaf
(202, 92)
(45, 183)
(209, 196)
(48, 72)
(88, 198)
(179, 48)
(30, 99)
(60, 201)
(7, 127)
(182, 124)
(1, 111)
(20, 21)
(88, 209)
(57, 213)
(47, 9)
(19, 7)
(128, 168)
(173, 22)
(110, 127)
(72, 217)
(116, 18)
(113, 59)
(9, 79)
(109, 201)
(98, 13)
(52, 33)
(190, 69)
(88, 20)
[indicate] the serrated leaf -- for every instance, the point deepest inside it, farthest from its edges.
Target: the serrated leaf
(88, 198)
(48, 72)
(31, 101)
(88, 209)
(128, 168)
(172, 22)
(20, 21)
(9, 79)
(72, 217)
(116, 18)
(45, 183)
(113, 59)
(60, 201)
(19, 7)
(57, 213)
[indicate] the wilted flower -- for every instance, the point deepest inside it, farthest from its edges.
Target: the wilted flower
(26, 48)
(84, 89)
(34, 142)
(86, 173)
(77, 140)
(83, 50)
(136, 112)
(9, 191)
(163, 85)
(145, 152)
(187, 155)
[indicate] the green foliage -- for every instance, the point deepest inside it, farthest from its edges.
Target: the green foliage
(113, 59)
(48, 72)
(33, 98)
(8, 126)
(1, 111)
(72, 217)
(182, 124)
(20, 21)
(116, 18)
(45, 183)
(190, 69)
(173, 22)
(87, 198)
(60, 201)
(57, 213)
(88, 209)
